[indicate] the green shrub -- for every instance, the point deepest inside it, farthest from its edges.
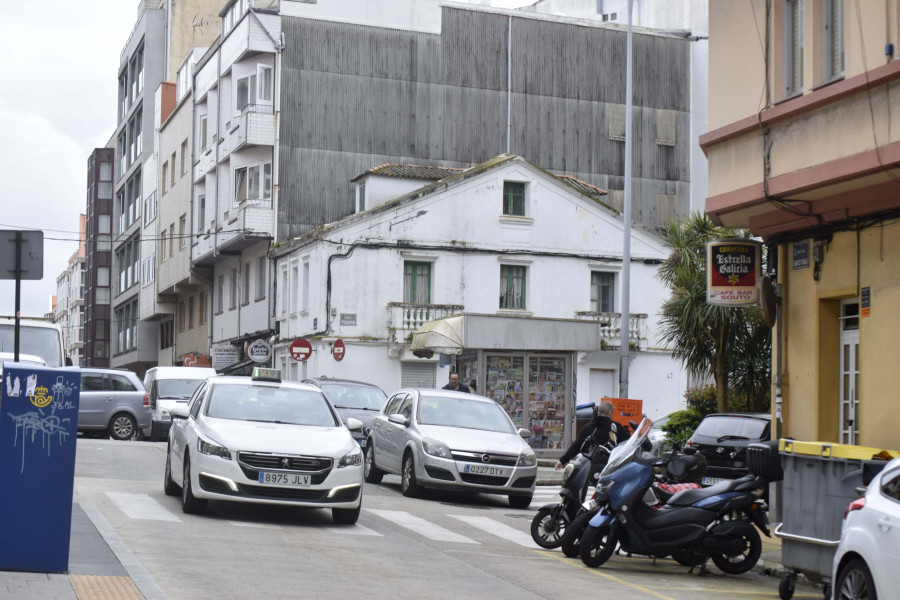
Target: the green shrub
(702, 399)
(681, 425)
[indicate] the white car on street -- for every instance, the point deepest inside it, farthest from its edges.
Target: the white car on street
(258, 439)
(867, 559)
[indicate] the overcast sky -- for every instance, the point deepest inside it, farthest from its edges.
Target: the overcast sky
(59, 73)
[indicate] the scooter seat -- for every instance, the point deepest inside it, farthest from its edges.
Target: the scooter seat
(689, 497)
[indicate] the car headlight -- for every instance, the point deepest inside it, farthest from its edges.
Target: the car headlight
(435, 448)
(351, 459)
(207, 447)
(527, 458)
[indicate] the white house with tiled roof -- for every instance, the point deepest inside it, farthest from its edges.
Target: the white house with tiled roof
(523, 267)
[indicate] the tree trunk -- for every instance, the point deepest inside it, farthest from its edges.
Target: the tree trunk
(721, 374)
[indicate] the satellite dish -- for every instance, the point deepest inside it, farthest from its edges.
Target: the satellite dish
(768, 300)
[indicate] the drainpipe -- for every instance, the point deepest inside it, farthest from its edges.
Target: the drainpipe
(508, 81)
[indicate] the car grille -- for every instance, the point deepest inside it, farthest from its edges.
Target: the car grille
(276, 493)
(483, 479)
(436, 473)
(252, 463)
(478, 457)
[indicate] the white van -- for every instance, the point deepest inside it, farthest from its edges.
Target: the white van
(37, 337)
(167, 387)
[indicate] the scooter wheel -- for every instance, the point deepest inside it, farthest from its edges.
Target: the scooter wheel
(741, 561)
(548, 526)
(597, 545)
(571, 539)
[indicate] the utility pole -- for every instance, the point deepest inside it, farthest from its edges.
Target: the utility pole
(625, 321)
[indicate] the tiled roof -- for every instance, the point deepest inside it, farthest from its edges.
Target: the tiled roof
(581, 186)
(412, 171)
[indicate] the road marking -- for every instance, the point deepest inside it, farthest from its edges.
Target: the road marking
(421, 526)
(254, 525)
(498, 529)
(141, 506)
(568, 561)
(353, 530)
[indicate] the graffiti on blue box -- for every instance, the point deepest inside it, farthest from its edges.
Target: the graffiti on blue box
(43, 406)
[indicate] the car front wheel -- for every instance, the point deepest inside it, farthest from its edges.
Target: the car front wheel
(408, 484)
(345, 516)
(371, 473)
(189, 503)
(169, 486)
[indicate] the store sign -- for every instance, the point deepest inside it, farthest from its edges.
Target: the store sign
(301, 349)
(259, 351)
(732, 272)
(338, 350)
(223, 356)
(865, 302)
(195, 359)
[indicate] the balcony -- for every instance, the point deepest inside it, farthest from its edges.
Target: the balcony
(405, 318)
(610, 325)
(251, 222)
(255, 127)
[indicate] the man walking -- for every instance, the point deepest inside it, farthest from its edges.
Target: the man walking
(455, 385)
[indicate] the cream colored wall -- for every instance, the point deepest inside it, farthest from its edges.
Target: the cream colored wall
(811, 330)
(195, 24)
(736, 60)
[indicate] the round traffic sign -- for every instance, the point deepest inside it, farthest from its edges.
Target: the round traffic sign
(300, 349)
(338, 350)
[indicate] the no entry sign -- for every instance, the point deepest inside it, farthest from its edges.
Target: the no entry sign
(338, 350)
(300, 349)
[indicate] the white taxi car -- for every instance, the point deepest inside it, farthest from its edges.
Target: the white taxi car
(258, 439)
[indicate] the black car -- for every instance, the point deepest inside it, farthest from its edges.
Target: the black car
(723, 439)
(352, 399)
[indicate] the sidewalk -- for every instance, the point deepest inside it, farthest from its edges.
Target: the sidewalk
(95, 569)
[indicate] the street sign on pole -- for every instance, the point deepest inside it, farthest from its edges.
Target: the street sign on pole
(21, 257)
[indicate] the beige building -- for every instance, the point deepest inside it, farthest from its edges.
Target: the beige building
(804, 149)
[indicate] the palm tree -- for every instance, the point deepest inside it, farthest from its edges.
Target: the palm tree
(712, 340)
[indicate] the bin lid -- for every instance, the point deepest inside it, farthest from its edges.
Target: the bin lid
(829, 450)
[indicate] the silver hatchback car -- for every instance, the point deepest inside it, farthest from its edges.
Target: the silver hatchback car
(113, 402)
(450, 440)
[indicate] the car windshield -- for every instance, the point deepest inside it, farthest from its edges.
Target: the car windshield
(269, 404)
(177, 389)
(733, 427)
(38, 341)
(344, 395)
(465, 413)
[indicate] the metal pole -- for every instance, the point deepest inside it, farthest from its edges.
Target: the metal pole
(18, 292)
(625, 322)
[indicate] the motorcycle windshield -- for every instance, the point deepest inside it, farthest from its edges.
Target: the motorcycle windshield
(623, 453)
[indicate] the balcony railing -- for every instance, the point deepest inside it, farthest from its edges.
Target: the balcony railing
(404, 318)
(611, 328)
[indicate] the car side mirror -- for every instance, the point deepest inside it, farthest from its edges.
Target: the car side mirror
(179, 412)
(398, 419)
(69, 362)
(525, 433)
(354, 424)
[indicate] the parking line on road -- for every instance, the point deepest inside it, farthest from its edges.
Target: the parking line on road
(421, 526)
(568, 561)
(498, 529)
(141, 506)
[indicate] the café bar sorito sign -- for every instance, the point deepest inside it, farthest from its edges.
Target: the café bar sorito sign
(732, 272)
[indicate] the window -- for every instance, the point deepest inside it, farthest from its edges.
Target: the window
(202, 303)
(150, 209)
(245, 288)
(162, 246)
(361, 191)
(166, 334)
(172, 171)
(285, 292)
(833, 39)
(793, 47)
(182, 237)
(246, 92)
(183, 155)
(182, 316)
(232, 303)
(265, 90)
(171, 240)
(190, 313)
(602, 291)
(261, 278)
(512, 287)
(246, 183)
(417, 282)
(295, 284)
(203, 132)
(514, 198)
(165, 176)
(126, 318)
(201, 214)
(253, 88)
(220, 294)
(305, 305)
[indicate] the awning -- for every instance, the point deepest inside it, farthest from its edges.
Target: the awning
(444, 336)
(451, 335)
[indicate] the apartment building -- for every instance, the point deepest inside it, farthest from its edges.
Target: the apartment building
(98, 257)
(69, 308)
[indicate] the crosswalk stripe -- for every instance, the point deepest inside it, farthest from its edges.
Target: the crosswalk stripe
(421, 526)
(254, 525)
(498, 529)
(141, 506)
(355, 530)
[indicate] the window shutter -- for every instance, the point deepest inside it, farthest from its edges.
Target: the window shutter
(616, 121)
(417, 374)
(665, 127)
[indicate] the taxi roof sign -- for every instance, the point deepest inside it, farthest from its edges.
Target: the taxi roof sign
(261, 374)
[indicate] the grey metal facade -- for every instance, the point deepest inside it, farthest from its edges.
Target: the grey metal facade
(356, 96)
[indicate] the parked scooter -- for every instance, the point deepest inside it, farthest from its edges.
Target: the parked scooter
(675, 472)
(552, 520)
(715, 522)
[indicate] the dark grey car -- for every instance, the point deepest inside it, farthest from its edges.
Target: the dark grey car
(112, 402)
(352, 399)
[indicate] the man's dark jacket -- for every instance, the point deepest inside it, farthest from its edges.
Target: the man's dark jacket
(462, 388)
(603, 430)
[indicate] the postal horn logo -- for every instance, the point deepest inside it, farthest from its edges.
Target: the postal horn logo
(40, 398)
